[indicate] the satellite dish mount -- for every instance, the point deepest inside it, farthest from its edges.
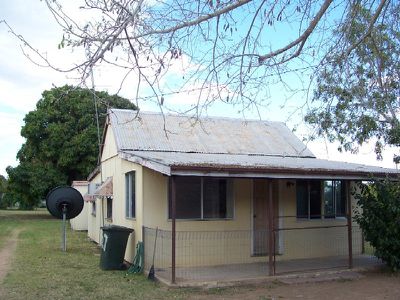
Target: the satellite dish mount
(64, 203)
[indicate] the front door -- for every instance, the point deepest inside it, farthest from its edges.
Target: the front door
(260, 216)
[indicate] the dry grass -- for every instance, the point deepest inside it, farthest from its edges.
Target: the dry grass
(42, 271)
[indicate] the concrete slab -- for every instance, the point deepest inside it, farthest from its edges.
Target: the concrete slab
(292, 272)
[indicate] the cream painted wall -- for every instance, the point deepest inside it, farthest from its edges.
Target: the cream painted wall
(113, 166)
(306, 243)
(94, 220)
(217, 242)
(155, 192)
(110, 146)
(209, 246)
(80, 222)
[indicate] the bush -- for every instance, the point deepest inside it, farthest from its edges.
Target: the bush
(379, 219)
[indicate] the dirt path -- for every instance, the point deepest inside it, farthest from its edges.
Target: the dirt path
(371, 286)
(6, 255)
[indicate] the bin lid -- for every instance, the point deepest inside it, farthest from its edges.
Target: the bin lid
(116, 228)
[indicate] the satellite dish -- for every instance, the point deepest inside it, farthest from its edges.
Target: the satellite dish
(66, 198)
(64, 203)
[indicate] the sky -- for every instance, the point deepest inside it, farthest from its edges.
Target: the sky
(22, 82)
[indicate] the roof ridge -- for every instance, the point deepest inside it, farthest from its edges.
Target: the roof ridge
(178, 115)
(217, 153)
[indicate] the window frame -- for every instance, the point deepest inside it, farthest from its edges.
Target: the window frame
(230, 212)
(109, 206)
(130, 195)
(322, 203)
(335, 200)
(93, 212)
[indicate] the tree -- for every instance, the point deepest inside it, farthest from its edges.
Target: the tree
(3, 187)
(29, 182)
(379, 219)
(231, 51)
(62, 141)
(358, 95)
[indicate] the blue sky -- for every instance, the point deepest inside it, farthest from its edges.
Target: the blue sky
(21, 84)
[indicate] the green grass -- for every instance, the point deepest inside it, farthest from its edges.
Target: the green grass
(42, 271)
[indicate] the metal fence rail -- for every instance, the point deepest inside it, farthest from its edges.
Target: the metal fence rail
(231, 254)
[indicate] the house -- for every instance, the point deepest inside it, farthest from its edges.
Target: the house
(80, 222)
(224, 195)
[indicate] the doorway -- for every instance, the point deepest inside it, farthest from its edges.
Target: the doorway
(260, 214)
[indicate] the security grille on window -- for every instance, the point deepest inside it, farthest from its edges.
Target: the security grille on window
(311, 194)
(203, 198)
(130, 188)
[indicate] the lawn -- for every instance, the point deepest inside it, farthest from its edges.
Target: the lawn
(42, 271)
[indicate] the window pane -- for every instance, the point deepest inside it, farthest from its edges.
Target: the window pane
(329, 189)
(229, 199)
(340, 199)
(214, 198)
(133, 194)
(188, 197)
(315, 199)
(127, 195)
(109, 207)
(130, 195)
(302, 198)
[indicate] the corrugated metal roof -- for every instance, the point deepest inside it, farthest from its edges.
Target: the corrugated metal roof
(173, 144)
(175, 133)
(267, 164)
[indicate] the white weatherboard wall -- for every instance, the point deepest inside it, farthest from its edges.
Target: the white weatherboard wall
(80, 222)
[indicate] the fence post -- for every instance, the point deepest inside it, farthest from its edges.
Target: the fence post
(349, 224)
(173, 233)
(270, 230)
(144, 250)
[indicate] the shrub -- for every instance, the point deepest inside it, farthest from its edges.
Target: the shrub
(379, 219)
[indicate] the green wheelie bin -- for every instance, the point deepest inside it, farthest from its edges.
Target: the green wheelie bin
(113, 247)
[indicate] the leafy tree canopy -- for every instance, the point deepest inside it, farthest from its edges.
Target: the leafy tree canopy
(358, 93)
(380, 219)
(217, 50)
(3, 186)
(61, 141)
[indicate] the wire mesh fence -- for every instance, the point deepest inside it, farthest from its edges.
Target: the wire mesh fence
(241, 254)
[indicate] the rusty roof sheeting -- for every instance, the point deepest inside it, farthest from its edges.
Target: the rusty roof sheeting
(175, 133)
(258, 163)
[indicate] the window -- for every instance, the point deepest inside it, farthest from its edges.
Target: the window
(334, 199)
(203, 198)
(94, 208)
(130, 188)
(310, 194)
(109, 207)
